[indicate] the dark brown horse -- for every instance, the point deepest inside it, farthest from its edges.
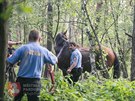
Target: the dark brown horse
(63, 53)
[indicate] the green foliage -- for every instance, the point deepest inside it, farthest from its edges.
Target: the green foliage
(33, 14)
(1, 1)
(90, 89)
(21, 8)
(5, 15)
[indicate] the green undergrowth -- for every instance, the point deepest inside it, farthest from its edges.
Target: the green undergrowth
(90, 89)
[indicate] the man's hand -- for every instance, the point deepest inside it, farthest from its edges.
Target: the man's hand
(19, 42)
(49, 67)
(68, 70)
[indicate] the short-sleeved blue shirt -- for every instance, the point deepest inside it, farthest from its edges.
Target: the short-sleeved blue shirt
(76, 56)
(32, 57)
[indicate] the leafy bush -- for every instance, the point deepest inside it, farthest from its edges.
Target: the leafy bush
(90, 89)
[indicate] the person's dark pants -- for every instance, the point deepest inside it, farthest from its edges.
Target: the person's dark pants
(29, 86)
(76, 73)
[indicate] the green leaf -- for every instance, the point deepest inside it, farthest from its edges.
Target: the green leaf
(1, 1)
(5, 15)
(24, 9)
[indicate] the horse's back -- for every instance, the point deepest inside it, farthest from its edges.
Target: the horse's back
(110, 55)
(85, 59)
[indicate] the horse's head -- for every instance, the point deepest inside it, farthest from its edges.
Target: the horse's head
(62, 51)
(61, 38)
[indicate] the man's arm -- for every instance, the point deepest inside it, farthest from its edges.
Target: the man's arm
(14, 43)
(72, 65)
(50, 58)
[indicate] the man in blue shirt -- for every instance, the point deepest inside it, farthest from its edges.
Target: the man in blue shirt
(32, 57)
(75, 62)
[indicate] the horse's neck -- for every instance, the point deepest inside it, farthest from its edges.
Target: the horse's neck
(60, 44)
(83, 49)
(57, 49)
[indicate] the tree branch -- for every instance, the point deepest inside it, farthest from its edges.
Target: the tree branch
(128, 35)
(100, 50)
(57, 20)
(18, 2)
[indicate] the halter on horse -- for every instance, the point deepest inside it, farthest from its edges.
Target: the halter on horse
(63, 53)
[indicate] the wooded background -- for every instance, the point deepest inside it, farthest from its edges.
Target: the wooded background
(112, 21)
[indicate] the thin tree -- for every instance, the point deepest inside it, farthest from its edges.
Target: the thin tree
(133, 51)
(3, 46)
(105, 72)
(49, 30)
(123, 65)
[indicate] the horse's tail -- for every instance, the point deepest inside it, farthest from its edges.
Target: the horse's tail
(116, 72)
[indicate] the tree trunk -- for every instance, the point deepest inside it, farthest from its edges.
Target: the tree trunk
(49, 26)
(133, 51)
(83, 20)
(70, 29)
(105, 72)
(3, 47)
(49, 30)
(123, 64)
(98, 11)
(26, 28)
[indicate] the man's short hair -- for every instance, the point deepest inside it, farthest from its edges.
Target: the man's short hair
(34, 35)
(72, 43)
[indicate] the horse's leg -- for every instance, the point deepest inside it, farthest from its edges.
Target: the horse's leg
(116, 72)
(64, 71)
